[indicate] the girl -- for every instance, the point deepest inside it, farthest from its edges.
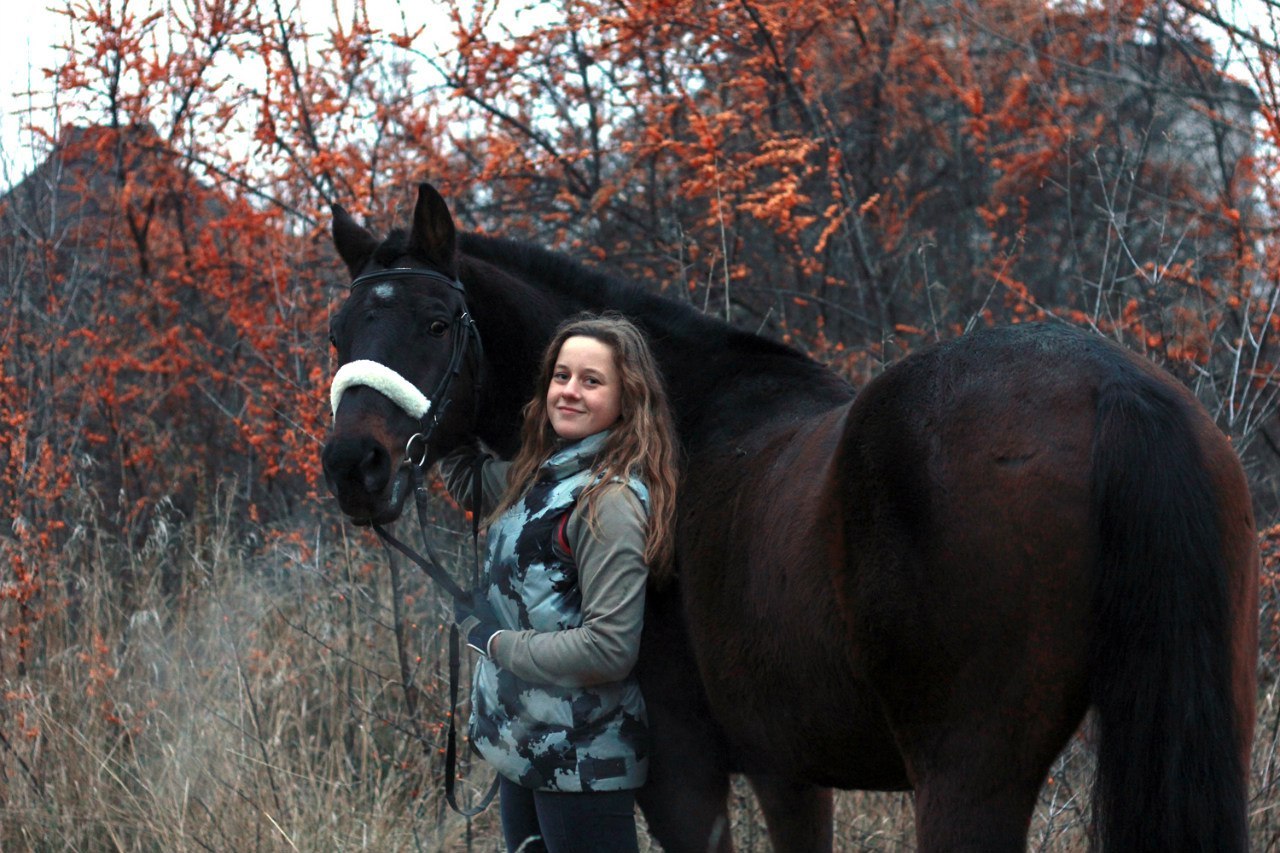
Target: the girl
(583, 515)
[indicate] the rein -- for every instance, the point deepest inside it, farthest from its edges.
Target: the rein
(432, 567)
(466, 341)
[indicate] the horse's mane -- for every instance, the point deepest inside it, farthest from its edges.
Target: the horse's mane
(743, 371)
(582, 288)
(586, 288)
(590, 289)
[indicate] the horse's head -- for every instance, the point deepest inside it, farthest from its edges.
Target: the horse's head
(408, 360)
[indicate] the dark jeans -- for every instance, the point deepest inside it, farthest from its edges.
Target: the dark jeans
(596, 822)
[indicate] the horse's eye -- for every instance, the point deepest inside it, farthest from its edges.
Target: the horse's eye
(333, 342)
(438, 327)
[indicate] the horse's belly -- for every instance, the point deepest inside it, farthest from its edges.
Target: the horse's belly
(787, 693)
(832, 734)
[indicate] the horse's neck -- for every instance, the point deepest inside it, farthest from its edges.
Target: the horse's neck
(515, 327)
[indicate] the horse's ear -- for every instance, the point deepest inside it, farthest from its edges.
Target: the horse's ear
(433, 236)
(354, 243)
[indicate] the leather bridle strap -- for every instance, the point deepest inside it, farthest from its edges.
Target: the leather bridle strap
(406, 272)
(423, 408)
(431, 566)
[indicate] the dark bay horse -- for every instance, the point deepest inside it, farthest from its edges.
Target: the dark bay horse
(925, 585)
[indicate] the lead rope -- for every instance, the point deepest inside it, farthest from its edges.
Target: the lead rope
(432, 566)
(455, 647)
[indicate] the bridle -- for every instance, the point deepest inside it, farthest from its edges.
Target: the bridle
(468, 342)
(429, 411)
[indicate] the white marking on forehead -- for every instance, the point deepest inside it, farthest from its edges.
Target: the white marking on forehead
(384, 291)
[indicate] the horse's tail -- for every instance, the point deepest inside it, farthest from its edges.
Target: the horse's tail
(1170, 774)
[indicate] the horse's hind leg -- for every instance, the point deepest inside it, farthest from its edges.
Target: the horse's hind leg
(957, 814)
(976, 780)
(978, 748)
(799, 816)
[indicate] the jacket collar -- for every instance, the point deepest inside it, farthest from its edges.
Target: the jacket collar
(572, 458)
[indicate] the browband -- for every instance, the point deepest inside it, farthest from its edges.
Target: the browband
(407, 272)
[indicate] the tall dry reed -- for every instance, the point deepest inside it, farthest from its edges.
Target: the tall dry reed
(219, 686)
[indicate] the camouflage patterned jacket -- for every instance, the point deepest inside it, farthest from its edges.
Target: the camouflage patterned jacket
(558, 709)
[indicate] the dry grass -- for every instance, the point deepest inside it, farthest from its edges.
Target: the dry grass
(212, 690)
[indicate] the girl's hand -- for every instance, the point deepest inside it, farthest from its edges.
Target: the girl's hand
(477, 621)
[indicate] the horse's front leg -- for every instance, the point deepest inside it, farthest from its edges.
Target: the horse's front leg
(685, 800)
(799, 816)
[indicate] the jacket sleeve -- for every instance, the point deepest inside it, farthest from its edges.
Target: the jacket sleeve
(611, 575)
(455, 470)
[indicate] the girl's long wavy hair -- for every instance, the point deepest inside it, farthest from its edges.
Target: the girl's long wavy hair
(641, 442)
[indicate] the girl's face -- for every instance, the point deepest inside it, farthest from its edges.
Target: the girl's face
(585, 394)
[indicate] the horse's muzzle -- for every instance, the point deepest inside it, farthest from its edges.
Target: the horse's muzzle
(363, 477)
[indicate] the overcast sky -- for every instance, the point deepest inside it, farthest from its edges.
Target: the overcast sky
(26, 37)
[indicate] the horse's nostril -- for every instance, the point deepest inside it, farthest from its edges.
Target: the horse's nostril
(374, 469)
